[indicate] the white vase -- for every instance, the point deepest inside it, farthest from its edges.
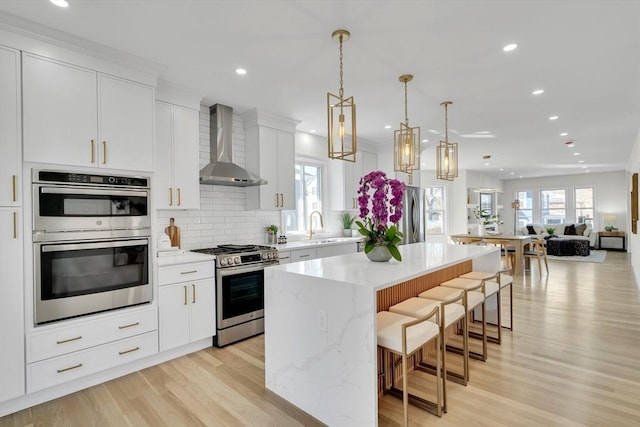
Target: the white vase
(379, 254)
(346, 232)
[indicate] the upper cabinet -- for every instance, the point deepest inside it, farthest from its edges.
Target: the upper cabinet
(177, 184)
(79, 117)
(10, 160)
(270, 154)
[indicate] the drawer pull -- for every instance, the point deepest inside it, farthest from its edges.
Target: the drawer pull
(189, 272)
(79, 365)
(185, 295)
(304, 256)
(129, 325)
(193, 297)
(69, 339)
(129, 351)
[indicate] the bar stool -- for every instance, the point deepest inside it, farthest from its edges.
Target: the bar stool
(476, 295)
(404, 336)
(450, 312)
(504, 279)
(453, 296)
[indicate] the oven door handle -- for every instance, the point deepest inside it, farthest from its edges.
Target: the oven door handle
(48, 247)
(90, 192)
(228, 271)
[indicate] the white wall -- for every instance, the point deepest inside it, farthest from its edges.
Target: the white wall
(633, 166)
(222, 217)
(610, 195)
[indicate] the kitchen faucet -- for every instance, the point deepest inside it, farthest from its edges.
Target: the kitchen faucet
(311, 223)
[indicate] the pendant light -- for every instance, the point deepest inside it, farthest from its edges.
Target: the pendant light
(341, 114)
(446, 152)
(406, 140)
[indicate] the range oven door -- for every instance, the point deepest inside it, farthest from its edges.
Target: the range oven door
(60, 209)
(79, 278)
(239, 295)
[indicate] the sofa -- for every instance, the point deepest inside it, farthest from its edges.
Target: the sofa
(583, 232)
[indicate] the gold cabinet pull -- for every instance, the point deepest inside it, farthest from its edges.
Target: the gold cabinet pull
(79, 365)
(13, 186)
(93, 151)
(130, 325)
(193, 296)
(69, 339)
(15, 225)
(277, 200)
(179, 198)
(128, 351)
(185, 295)
(170, 196)
(189, 272)
(104, 152)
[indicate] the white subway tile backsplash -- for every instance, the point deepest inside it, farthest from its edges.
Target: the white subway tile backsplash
(222, 217)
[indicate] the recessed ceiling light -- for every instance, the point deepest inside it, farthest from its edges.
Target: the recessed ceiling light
(312, 131)
(576, 154)
(580, 161)
(486, 164)
(538, 92)
(425, 140)
(564, 134)
(520, 176)
(483, 131)
(435, 132)
(60, 3)
(477, 135)
(501, 169)
(387, 127)
(512, 173)
(584, 167)
(241, 71)
(510, 47)
(554, 118)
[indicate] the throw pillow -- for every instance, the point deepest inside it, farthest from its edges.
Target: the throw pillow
(531, 229)
(570, 230)
(580, 229)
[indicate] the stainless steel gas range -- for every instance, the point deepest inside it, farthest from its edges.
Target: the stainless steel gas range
(240, 290)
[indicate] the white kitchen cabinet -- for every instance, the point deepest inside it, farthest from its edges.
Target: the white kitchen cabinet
(188, 308)
(303, 254)
(335, 250)
(12, 361)
(177, 183)
(284, 257)
(10, 128)
(271, 155)
(80, 117)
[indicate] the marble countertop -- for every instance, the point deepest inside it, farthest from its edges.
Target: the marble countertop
(185, 258)
(301, 244)
(417, 259)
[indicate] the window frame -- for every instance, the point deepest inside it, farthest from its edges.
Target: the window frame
(442, 210)
(303, 226)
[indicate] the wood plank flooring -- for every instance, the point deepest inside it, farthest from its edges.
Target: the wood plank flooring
(573, 359)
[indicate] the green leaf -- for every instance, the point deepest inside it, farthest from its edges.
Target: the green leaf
(395, 253)
(368, 246)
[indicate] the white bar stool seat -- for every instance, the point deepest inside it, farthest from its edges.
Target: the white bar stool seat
(404, 336)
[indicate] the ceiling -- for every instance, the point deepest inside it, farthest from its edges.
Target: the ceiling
(584, 54)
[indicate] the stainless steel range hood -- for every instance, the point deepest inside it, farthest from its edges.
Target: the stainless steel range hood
(221, 170)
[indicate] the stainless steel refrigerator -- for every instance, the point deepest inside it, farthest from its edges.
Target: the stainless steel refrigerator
(412, 224)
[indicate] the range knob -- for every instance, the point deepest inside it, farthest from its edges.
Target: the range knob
(236, 260)
(270, 255)
(265, 256)
(223, 261)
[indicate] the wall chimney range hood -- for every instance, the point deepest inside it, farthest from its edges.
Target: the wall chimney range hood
(221, 170)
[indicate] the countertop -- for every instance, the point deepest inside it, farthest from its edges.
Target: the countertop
(328, 241)
(417, 259)
(185, 258)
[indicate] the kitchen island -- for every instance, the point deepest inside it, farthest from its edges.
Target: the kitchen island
(320, 323)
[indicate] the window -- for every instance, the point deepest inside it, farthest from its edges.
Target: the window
(308, 197)
(486, 203)
(552, 206)
(525, 211)
(434, 210)
(584, 205)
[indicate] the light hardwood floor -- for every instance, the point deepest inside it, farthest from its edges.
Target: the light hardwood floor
(572, 360)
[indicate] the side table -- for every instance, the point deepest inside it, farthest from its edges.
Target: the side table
(607, 234)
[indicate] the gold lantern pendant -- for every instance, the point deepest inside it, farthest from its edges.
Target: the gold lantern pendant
(341, 114)
(406, 140)
(446, 153)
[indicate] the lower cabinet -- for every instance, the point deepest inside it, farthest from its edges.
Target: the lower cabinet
(303, 254)
(187, 308)
(57, 354)
(334, 250)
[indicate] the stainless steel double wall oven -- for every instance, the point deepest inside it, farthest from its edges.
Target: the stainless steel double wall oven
(91, 237)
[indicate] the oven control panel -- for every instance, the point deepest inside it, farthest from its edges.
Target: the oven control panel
(260, 257)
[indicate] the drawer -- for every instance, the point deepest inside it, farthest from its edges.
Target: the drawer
(284, 257)
(48, 373)
(185, 272)
(303, 254)
(63, 340)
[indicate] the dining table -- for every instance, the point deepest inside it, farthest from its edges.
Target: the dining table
(519, 242)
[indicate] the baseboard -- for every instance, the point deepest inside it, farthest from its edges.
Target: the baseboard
(36, 398)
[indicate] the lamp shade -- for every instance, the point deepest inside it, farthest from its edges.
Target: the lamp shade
(609, 219)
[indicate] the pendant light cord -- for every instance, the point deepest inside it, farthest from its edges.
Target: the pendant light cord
(341, 92)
